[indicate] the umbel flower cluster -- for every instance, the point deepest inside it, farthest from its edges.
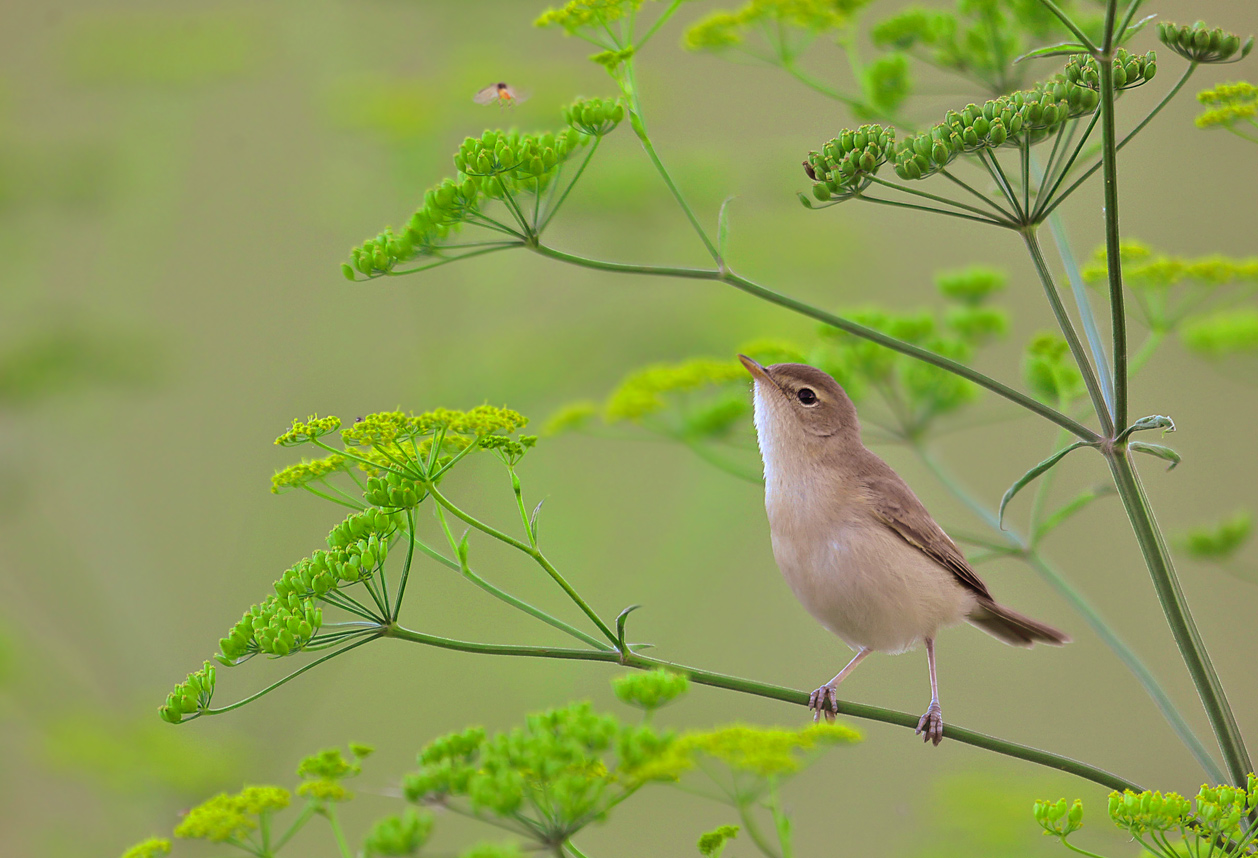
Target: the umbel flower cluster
(1201, 44)
(403, 456)
(847, 164)
(509, 168)
(1216, 821)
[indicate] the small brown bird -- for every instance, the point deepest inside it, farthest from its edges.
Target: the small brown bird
(856, 546)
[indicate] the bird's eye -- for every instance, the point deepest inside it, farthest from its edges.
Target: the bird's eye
(807, 396)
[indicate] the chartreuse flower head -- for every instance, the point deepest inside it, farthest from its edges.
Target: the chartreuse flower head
(399, 835)
(504, 166)
(643, 391)
(594, 117)
(1227, 104)
(1219, 542)
(1059, 818)
(151, 848)
(763, 751)
(712, 843)
(323, 772)
(579, 14)
(846, 164)
(563, 770)
(190, 696)
(650, 690)
(1049, 371)
(1141, 812)
(308, 471)
(725, 29)
(305, 431)
(231, 817)
(1200, 44)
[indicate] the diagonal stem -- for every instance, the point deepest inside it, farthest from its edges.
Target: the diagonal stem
(775, 692)
(764, 293)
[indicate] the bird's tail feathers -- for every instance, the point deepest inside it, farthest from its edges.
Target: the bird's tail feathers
(1013, 628)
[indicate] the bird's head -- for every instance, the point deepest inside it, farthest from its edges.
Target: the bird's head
(800, 404)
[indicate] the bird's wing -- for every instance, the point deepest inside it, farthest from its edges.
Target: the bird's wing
(895, 505)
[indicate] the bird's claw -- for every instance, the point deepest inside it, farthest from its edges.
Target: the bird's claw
(824, 700)
(930, 727)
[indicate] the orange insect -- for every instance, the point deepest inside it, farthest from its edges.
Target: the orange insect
(501, 94)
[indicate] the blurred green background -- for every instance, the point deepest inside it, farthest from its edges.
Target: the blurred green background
(178, 186)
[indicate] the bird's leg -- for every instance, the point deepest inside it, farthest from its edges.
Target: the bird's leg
(825, 699)
(930, 727)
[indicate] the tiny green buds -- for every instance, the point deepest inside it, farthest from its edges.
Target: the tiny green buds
(226, 818)
(397, 836)
(722, 29)
(1130, 70)
(578, 14)
(1220, 541)
(594, 117)
(151, 848)
(304, 431)
(1146, 811)
(1200, 44)
(712, 843)
(650, 690)
(192, 696)
(845, 164)
(1059, 818)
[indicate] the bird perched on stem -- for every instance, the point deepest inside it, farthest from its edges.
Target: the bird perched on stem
(856, 546)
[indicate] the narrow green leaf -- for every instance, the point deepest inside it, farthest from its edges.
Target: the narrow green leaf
(1057, 50)
(1079, 503)
(1153, 421)
(1030, 476)
(722, 229)
(620, 626)
(1157, 450)
(1132, 29)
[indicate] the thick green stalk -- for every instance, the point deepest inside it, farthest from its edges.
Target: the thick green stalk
(804, 309)
(1171, 597)
(1068, 331)
(1109, 161)
(775, 692)
(1032, 557)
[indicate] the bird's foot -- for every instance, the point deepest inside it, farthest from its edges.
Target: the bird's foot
(825, 700)
(930, 727)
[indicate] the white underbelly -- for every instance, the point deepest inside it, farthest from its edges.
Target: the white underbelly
(870, 587)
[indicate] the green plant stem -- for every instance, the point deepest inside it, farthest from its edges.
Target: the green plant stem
(1058, 199)
(804, 309)
(553, 211)
(1109, 158)
(907, 190)
(1171, 597)
(296, 673)
(406, 569)
(572, 847)
(330, 812)
(638, 123)
(1005, 213)
(773, 692)
(504, 596)
(537, 556)
(753, 830)
(302, 818)
(1086, 610)
(1068, 331)
(1070, 25)
(931, 209)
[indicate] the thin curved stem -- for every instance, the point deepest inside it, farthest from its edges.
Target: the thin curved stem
(1001, 210)
(775, 692)
(638, 123)
(537, 556)
(551, 212)
(935, 197)
(931, 209)
(1057, 200)
(804, 309)
(1070, 25)
(372, 635)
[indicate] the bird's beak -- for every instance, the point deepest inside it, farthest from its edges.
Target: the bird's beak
(758, 372)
